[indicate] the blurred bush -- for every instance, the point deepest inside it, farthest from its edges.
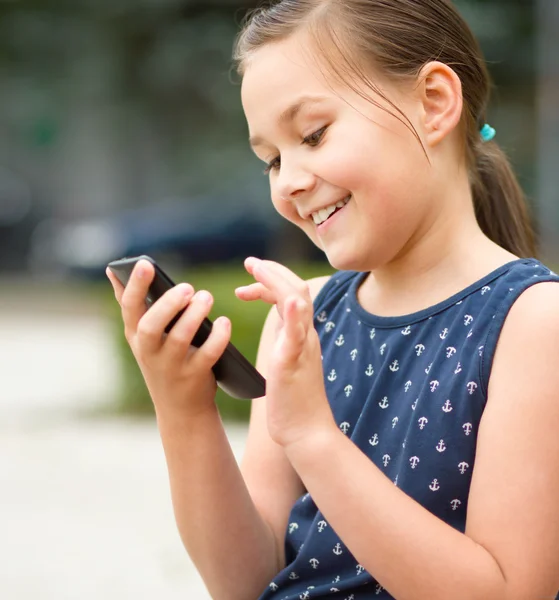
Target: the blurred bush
(247, 320)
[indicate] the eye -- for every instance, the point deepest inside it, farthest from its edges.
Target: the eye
(315, 138)
(272, 165)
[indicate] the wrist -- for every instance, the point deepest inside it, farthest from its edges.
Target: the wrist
(313, 443)
(195, 419)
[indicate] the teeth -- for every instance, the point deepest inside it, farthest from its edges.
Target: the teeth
(322, 215)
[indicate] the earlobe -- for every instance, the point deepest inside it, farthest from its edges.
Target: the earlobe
(441, 95)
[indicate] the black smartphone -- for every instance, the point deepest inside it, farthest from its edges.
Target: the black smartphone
(233, 372)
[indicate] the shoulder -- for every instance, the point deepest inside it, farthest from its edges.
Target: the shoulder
(528, 344)
(316, 284)
(533, 318)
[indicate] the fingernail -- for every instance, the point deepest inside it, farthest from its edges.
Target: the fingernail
(205, 297)
(140, 272)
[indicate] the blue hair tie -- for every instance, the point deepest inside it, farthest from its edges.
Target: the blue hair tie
(487, 133)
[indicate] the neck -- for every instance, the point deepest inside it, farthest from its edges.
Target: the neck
(448, 254)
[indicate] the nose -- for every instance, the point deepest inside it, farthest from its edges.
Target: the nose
(294, 181)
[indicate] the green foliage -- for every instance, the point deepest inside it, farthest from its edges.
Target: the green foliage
(247, 320)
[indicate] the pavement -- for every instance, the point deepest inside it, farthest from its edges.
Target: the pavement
(85, 507)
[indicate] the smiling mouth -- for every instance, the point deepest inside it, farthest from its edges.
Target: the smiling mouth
(320, 217)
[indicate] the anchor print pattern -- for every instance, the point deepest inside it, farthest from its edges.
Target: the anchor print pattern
(410, 393)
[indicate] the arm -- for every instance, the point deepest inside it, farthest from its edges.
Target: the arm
(232, 530)
(510, 550)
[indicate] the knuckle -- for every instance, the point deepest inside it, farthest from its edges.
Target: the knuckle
(146, 330)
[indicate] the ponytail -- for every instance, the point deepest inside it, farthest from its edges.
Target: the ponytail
(499, 202)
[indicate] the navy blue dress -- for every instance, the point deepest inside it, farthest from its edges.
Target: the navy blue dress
(410, 392)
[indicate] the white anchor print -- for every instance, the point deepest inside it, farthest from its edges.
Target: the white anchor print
(485, 289)
(450, 352)
(472, 387)
(463, 467)
(340, 341)
(441, 446)
(470, 333)
(459, 303)
(337, 549)
(360, 569)
(314, 563)
(384, 402)
(422, 422)
(333, 589)
(322, 317)
(468, 320)
(386, 459)
(447, 407)
(406, 331)
(374, 440)
(337, 580)
(345, 427)
(467, 427)
(396, 481)
(414, 461)
(348, 389)
(480, 350)
(304, 596)
(434, 487)
(378, 589)
(455, 503)
(458, 369)
(293, 527)
(414, 405)
(273, 586)
(395, 366)
(407, 386)
(293, 575)
(373, 333)
(434, 385)
(444, 334)
(394, 422)
(354, 354)
(370, 371)
(382, 349)
(419, 349)
(332, 376)
(428, 369)
(329, 326)
(322, 526)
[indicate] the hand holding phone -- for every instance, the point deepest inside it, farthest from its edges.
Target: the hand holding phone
(233, 372)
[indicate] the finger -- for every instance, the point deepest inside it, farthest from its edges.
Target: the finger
(182, 334)
(294, 332)
(287, 276)
(255, 291)
(214, 347)
(153, 323)
(118, 288)
(134, 295)
(276, 282)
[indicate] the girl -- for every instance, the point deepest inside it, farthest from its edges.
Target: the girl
(407, 446)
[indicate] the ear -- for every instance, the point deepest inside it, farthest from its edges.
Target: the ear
(440, 92)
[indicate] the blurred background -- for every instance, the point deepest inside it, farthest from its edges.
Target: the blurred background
(122, 133)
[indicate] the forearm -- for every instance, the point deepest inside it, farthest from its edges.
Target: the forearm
(221, 529)
(411, 552)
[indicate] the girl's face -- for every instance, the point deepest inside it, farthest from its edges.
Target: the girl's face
(325, 145)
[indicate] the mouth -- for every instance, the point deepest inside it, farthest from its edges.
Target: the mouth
(321, 216)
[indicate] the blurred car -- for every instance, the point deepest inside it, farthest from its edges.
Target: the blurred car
(18, 218)
(201, 230)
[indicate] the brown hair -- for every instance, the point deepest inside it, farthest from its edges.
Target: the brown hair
(400, 37)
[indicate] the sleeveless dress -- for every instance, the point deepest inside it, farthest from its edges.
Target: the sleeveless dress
(410, 392)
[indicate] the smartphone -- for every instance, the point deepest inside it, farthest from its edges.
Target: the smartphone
(233, 372)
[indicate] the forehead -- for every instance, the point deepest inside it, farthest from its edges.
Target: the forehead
(278, 73)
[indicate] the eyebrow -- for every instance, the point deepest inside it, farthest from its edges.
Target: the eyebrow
(289, 114)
